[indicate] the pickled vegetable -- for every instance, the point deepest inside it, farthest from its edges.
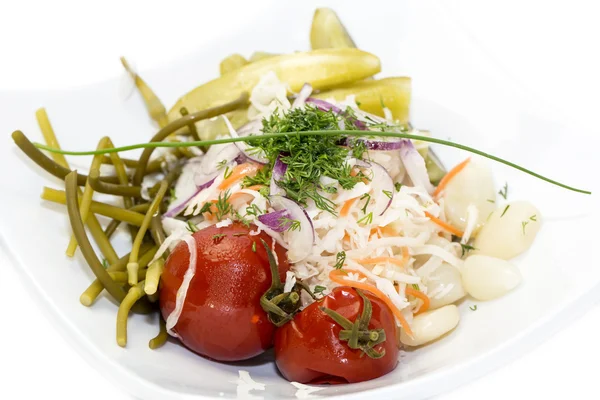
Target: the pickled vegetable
(231, 63)
(327, 31)
(323, 69)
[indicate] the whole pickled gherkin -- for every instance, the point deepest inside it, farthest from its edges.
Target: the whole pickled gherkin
(323, 69)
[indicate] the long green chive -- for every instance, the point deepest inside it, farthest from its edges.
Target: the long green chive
(152, 145)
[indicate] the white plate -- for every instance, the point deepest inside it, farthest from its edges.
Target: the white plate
(458, 93)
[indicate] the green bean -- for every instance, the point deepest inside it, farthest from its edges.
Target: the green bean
(89, 296)
(156, 230)
(122, 276)
(133, 295)
(86, 198)
(180, 123)
(122, 190)
(153, 104)
(132, 265)
(48, 164)
(86, 248)
(101, 239)
(155, 270)
(162, 336)
(130, 216)
(192, 126)
(153, 166)
(123, 180)
(111, 227)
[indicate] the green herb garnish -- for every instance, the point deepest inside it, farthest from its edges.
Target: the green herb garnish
(504, 191)
(397, 186)
(533, 217)
(254, 247)
(505, 210)
(340, 259)
(367, 219)
(222, 205)
(218, 236)
(319, 290)
(524, 224)
(415, 286)
(366, 196)
(105, 263)
(466, 248)
(192, 227)
(473, 308)
(289, 224)
(387, 193)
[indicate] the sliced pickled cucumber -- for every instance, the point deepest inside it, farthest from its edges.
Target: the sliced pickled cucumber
(327, 31)
(231, 63)
(323, 69)
(373, 95)
(261, 55)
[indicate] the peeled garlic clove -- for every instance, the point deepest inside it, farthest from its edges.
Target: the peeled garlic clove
(431, 325)
(487, 278)
(445, 286)
(509, 231)
(473, 185)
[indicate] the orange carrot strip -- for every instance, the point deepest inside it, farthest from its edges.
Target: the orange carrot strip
(346, 207)
(379, 260)
(419, 295)
(444, 225)
(405, 256)
(238, 173)
(448, 177)
(336, 277)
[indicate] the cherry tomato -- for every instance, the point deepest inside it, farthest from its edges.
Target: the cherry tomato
(222, 318)
(309, 349)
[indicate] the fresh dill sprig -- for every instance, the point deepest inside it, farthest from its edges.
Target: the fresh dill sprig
(262, 177)
(192, 227)
(387, 193)
(505, 210)
(217, 237)
(221, 164)
(366, 196)
(415, 286)
(397, 186)
(524, 225)
(340, 259)
(367, 219)
(319, 290)
(228, 172)
(222, 205)
(466, 248)
(473, 307)
(504, 191)
(206, 208)
(289, 224)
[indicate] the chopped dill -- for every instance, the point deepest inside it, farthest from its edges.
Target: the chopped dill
(172, 196)
(206, 208)
(217, 237)
(397, 186)
(415, 286)
(254, 247)
(524, 224)
(340, 259)
(473, 308)
(505, 210)
(289, 224)
(222, 205)
(387, 193)
(367, 219)
(192, 227)
(466, 248)
(221, 164)
(533, 218)
(366, 196)
(504, 191)
(319, 290)
(228, 172)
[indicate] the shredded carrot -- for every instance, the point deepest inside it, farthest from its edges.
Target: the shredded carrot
(238, 173)
(444, 225)
(448, 177)
(380, 260)
(336, 276)
(405, 256)
(419, 295)
(388, 230)
(255, 187)
(346, 207)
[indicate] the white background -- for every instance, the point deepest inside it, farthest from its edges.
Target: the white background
(550, 47)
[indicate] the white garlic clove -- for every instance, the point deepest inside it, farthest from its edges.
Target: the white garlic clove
(474, 185)
(509, 231)
(431, 325)
(487, 278)
(444, 286)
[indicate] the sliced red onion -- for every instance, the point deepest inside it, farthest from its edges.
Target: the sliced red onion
(279, 170)
(250, 152)
(302, 239)
(173, 212)
(415, 165)
(214, 159)
(377, 145)
(324, 105)
(302, 96)
(383, 186)
(274, 220)
(252, 127)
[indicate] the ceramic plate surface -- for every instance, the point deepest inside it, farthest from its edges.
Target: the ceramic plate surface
(459, 93)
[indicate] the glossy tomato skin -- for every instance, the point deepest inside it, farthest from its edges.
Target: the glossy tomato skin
(308, 349)
(222, 318)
